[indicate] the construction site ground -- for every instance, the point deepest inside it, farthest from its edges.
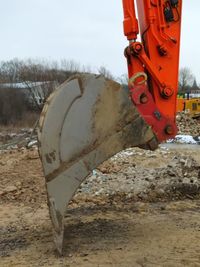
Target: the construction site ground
(139, 208)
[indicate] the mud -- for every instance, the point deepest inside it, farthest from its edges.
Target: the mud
(137, 209)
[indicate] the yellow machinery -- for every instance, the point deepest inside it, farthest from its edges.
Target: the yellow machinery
(191, 105)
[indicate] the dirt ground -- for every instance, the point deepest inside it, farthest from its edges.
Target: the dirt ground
(138, 209)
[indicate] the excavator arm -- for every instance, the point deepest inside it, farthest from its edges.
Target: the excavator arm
(90, 118)
(153, 63)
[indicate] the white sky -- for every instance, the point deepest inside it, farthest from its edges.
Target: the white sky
(89, 32)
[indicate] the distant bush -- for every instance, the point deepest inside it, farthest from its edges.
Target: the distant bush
(12, 106)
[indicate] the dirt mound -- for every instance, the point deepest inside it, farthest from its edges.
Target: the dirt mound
(21, 177)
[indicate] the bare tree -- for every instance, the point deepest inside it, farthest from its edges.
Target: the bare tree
(38, 80)
(105, 72)
(39, 77)
(186, 79)
(9, 70)
(70, 65)
(31, 82)
(123, 79)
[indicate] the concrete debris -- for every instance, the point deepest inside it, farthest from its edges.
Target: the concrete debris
(134, 173)
(19, 139)
(184, 139)
(187, 125)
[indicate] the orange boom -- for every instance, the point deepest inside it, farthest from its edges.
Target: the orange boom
(153, 63)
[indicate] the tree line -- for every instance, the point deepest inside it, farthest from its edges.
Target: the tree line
(40, 77)
(187, 81)
(26, 84)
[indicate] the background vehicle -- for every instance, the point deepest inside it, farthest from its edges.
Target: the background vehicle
(192, 106)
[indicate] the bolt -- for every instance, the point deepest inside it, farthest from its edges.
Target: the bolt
(143, 98)
(138, 47)
(167, 92)
(169, 130)
(162, 50)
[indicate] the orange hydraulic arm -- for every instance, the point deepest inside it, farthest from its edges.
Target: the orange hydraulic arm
(153, 62)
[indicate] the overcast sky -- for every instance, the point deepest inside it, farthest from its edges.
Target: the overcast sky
(89, 32)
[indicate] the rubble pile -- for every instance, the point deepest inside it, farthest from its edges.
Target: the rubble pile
(21, 138)
(133, 174)
(187, 125)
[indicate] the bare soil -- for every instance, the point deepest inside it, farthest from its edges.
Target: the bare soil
(147, 213)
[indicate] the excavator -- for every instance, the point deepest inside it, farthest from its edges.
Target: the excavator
(90, 118)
